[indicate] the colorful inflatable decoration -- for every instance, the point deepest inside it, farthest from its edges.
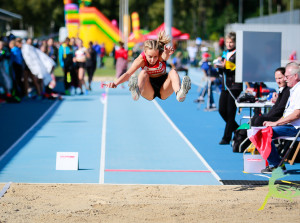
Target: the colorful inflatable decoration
(72, 19)
(89, 24)
(135, 25)
(94, 26)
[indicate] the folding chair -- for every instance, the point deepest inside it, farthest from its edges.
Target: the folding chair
(293, 139)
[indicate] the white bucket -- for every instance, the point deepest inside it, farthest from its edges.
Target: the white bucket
(253, 163)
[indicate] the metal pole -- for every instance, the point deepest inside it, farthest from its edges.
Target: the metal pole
(240, 11)
(270, 7)
(291, 11)
(126, 24)
(261, 8)
(121, 19)
(168, 18)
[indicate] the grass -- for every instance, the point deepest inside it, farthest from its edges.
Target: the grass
(107, 71)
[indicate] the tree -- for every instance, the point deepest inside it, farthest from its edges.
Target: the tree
(37, 13)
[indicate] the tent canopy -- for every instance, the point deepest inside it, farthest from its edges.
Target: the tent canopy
(176, 33)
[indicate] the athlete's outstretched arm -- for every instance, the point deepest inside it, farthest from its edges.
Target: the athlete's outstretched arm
(168, 51)
(137, 63)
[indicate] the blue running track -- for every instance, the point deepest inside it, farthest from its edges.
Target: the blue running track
(119, 141)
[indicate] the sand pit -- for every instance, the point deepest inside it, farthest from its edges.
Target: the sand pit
(142, 203)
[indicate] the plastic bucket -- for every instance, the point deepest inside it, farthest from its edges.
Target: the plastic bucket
(253, 163)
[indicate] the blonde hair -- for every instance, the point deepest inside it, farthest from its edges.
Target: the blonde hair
(162, 40)
(232, 36)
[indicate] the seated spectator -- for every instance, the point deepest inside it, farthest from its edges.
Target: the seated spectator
(177, 64)
(289, 124)
(280, 100)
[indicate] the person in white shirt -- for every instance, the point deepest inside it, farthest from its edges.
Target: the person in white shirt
(289, 124)
(81, 55)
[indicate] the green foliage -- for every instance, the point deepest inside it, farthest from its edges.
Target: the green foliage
(214, 36)
(107, 71)
(37, 13)
(197, 17)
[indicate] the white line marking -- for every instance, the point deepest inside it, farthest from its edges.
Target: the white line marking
(261, 175)
(29, 130)
(188, 142)
(5, 188)
(103, 141)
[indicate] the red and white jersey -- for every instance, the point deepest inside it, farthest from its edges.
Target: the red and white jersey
(158, 69)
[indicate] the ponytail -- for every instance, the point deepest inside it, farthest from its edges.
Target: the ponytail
(158, 44)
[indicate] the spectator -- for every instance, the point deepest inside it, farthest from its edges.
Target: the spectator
(280, 100)
(121, 56)
(80, 58)
(37, 82)
(97, 48)
(192, 51)
(221, 43)
(73, 43)
(52, 50)
(17, 64)
(177, 63)
(29, 41)
(113, 53)
(5, 78)
(289, 124)
(210, 76)
(66, 55)
(227, 107)
(293, 56)
(91, 63)
(102, 55)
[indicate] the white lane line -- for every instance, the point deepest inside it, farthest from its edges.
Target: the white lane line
(103, 140)
(5, 188)
(188, 142)
(30, 129)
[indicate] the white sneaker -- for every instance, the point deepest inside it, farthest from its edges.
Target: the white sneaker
(134, 87)
(184, 89)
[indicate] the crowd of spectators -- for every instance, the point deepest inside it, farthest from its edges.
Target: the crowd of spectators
(18, 82)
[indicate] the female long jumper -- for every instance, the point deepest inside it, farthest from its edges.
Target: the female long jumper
(153, 81)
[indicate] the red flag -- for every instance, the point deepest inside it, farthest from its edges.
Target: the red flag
(262, 141)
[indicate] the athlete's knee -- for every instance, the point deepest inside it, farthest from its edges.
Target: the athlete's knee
(143, 74)
(173, 72)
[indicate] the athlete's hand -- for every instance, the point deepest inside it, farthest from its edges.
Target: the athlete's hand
(169, 50)
(111, 85)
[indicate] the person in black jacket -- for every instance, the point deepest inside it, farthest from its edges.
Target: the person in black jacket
(227, 107)
(280, 100)
(91, 63)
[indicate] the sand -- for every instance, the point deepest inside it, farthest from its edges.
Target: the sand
(143, 203)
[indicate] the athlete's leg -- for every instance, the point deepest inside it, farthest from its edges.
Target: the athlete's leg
(172, 84)
(81, 72)
(145, 86)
